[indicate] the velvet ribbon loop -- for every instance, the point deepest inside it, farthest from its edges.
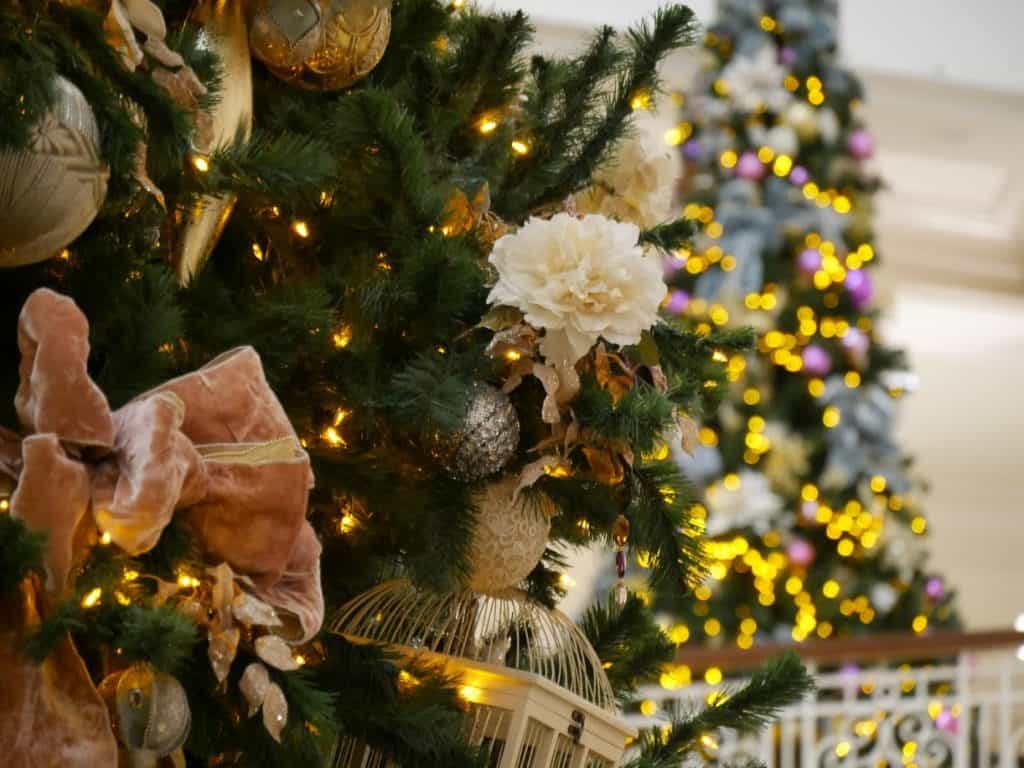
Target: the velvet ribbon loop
(214, 448)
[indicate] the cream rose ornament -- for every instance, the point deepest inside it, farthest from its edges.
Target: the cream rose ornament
(637, 186)
(579, 279)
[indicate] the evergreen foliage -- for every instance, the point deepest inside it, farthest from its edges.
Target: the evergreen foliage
(339, 266)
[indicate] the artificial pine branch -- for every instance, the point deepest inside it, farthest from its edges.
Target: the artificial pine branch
(628, 641)
(415, 720)
(430, 394)
(561, 102)
(639, 418)
(375, 136)
(280, 164)
(669, 236)
(21, 552)
(673, 27)
(662, 528)
(777, 685)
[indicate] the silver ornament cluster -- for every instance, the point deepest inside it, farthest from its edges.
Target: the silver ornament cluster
(487, 439)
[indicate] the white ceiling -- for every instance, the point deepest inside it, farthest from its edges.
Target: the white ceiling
(972, 43)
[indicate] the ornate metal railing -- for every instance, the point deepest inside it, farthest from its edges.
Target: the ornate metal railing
(950, 700)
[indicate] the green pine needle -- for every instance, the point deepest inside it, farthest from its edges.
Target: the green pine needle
(21, 552)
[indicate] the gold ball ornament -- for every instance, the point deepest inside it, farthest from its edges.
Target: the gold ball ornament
(51, 192)
(510, 537)
(199, 226)
(149, 709)
(320, 44)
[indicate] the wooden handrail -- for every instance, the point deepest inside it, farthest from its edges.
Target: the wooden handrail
(882, 647)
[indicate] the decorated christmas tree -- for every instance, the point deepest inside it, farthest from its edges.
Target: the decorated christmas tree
(321, 323)
(813, 510)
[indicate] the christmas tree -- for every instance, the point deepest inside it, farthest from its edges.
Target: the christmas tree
(813, 509)
(323, 321)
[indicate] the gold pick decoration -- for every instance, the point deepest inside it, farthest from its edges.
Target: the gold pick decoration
(689, 436)
(223, 646)
(261, 693)
(462, 215)
(275, 711)
(253, 611)
(276, 652)
(605, 466)
(254, 685)
(200, 225)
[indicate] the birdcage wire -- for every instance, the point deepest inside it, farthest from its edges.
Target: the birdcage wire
(507, 630)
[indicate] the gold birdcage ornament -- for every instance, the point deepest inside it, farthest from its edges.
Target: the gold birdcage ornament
(536, 693)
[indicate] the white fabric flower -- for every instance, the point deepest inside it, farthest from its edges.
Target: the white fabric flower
(637, 186)
(579, 280)
(757, 80)
(750, 504)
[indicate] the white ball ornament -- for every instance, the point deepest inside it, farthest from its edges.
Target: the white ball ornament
(884, 597)
(803, 119)
(510, 537)
(51, 192)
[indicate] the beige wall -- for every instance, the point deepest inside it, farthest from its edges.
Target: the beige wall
(965, 425)
(951, 233)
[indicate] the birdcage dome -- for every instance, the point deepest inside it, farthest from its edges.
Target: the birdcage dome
(508, 630)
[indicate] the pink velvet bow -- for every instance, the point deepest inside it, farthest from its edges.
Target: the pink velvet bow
(213, 447)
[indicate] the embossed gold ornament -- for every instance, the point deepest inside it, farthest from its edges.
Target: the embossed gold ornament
(51, 191)
(320, 44)
(512, 530)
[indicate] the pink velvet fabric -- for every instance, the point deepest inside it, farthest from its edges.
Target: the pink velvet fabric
(214, 447)
(51, 715)
(10, 459)
(52, 495)
(56, 394)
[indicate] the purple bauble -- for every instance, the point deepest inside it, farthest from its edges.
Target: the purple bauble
(935, 588)
(692, 149)
(948, 722)
(809, 261)
(801, 552)
(859, 287)
(749, 167)
(787, 56)
(678, 301)
(816, 361)
(799, 175)
(856, 344)
(861, 144)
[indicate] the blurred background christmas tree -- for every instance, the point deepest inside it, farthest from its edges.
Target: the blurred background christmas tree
(814, 509)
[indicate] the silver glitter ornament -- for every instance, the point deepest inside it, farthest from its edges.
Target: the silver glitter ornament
(487, 439)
